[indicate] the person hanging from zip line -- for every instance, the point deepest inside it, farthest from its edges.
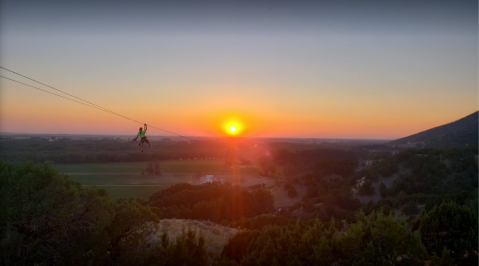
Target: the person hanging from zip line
(142, 135)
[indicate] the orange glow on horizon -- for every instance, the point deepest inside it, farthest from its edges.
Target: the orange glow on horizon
(217, 120)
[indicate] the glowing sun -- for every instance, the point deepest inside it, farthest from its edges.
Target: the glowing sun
(233, 127)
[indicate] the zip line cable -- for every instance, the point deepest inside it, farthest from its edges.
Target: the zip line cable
(84, 102)
(90, 103)
(51, 93)
(61, 96)
(95, 107)
(54, 88)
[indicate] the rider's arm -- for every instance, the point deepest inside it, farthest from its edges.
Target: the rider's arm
(146, 127)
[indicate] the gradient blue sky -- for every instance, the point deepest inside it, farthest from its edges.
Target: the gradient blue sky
(343, 69)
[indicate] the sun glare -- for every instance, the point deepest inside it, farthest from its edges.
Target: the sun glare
(233, 127)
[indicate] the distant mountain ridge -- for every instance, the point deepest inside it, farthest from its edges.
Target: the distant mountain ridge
(461, 133)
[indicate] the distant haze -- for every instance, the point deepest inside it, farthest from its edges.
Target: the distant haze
(317, 69)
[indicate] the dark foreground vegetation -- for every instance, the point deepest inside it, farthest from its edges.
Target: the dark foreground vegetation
(46, 218)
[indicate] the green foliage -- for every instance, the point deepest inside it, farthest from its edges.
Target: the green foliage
(128, 232)
(188, 249)
(379, 239)
(46, 217)
(291, 190)
(335, 194)
(212, 201)
(410, 208)
(260, 221)
(366, 189)
(449, 225)
(376, 239)
(447, 260)
(239, 245)
(322, 162)
(342, 167)
(429, 171)
(267, 166)
(383, 190)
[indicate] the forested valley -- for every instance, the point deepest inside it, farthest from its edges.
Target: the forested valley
(410, 207)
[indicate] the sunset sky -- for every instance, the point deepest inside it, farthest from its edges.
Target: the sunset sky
(322, 69)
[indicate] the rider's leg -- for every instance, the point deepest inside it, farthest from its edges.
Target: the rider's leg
(148, 143)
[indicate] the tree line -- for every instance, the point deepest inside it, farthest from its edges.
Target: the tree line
(446, 235)
(211, 201)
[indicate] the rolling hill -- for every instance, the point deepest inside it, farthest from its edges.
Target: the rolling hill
(460, 133)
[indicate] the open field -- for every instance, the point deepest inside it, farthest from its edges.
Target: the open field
(170, 166)
(120, 192)
(125, 180)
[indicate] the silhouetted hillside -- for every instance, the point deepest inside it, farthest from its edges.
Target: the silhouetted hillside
(460, 133)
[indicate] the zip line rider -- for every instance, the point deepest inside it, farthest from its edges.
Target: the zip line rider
(143, 138)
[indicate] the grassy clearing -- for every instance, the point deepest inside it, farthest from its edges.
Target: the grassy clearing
(170, 166)
(95, 179)
(141, 192)
(125, 180)
(131, 186)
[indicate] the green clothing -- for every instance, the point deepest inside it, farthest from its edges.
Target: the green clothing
(141, 134)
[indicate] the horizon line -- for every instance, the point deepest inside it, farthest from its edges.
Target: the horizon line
(193, 136)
